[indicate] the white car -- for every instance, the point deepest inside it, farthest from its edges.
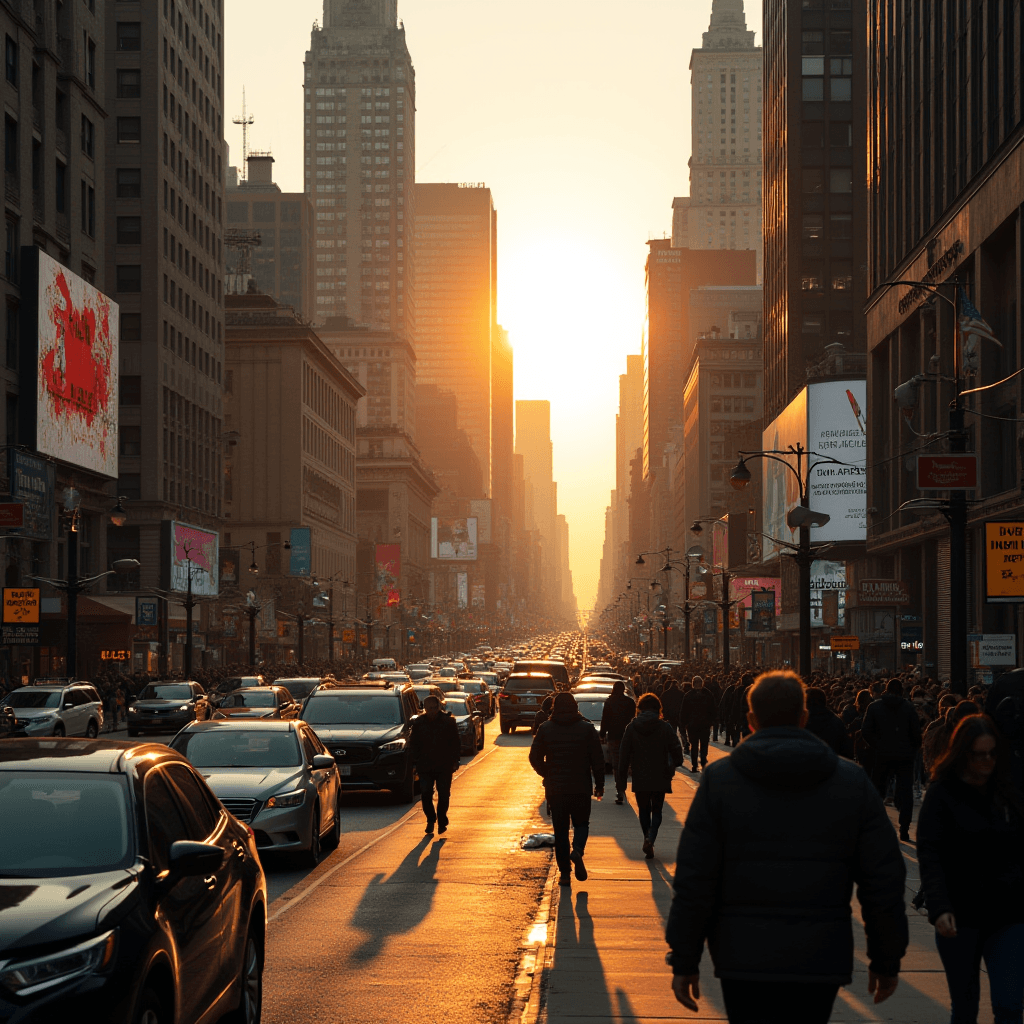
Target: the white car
(55, 709)
(591, 707)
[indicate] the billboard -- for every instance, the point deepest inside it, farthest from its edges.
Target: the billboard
(462, 589)
(69, 348)
(191, 550)
(301, 543)
(828, 593)
(828, 420)
(453, 539)
(32, 483)
(388, 564)
(1004, 563)
(230, 560)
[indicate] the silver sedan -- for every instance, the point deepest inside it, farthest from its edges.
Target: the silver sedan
(276, 776)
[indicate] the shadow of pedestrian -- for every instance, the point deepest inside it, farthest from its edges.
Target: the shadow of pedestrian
(576, 950)
(389, 907)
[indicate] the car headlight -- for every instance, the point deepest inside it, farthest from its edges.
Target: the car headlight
(31, 976)
(292, 799)
(184, 707)
(133, 710)
(393, 745)
(464, 726)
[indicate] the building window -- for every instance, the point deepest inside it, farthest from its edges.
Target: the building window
(813, 65)
(131, 444)
(129, 130)
(840, 179)
(812, 135)
(841, 225)
(10, 145)
(13, 339)
(129, 84)
(11, 250)
(840, 134)
(131, 327)
(129, 485)
(840, 42)
(842, 276)
(90, 63)
(61, 188)
(811, 279)
(813, 180)
(129, 230)
(129, 35)
(814, 42)
(841, 90)
(88, 137)
(130, 390)
(129, 183)
(813, 225)
(11, 62)
(129, 278)
(814, 89)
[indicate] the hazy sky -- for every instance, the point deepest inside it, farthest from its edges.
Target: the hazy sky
(576, 113)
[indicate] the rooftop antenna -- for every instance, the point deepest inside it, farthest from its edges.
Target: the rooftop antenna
(245, 120)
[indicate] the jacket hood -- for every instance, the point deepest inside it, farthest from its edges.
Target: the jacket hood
(785, 757)
(566, 717)
(647, 722)
(892, 700)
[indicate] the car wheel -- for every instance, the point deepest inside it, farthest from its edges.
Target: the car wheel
(334, 838)
(250, 983)
(505, 729)
(58, 729)
(92, 730)
(312, 855)
(152, 1009)
(404, 793)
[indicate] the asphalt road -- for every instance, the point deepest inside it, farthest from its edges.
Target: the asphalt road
(397, 925)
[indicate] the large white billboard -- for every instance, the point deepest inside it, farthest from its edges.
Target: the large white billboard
(77, 370)
(453, 539)
(828, 420)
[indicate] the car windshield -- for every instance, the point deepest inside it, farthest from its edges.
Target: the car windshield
(249, 699)
(446, 686)
(456, 707)
(299, 688)
(352, 709)
(529, 685)
(166, 691)
(238, 748)
(69, 823)
(33, 699)
(447, 672)
(591, 709)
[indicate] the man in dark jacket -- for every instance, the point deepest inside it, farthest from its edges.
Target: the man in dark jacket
(671, 702)
(892, 731)
(566, 754)
(776, 838)
(725, 713)
(436, 750)
(698, 711)
(826, 724)
(619, 710)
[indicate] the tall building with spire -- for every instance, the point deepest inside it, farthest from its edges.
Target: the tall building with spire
(724, 210)
(360, 116)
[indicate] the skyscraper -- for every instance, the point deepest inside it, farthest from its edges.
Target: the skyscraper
(360, 115)
(456, 303)
(724, 211)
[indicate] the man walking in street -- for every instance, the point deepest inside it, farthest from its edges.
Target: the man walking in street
(776, 838)
(567, 755)
(698, 711)
(619, 710)
(892, 731)
(671, 702)
(436, 751)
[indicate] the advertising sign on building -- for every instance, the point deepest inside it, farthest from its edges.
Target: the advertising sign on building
(389, 572)
(191, 551)
(1004, 562)
(994, 649)
(69, 347)
(453, 539)
(230, 560)
(479, 595)
(844, 643)
(12, 515)
(147, 611)
(762, 611)
(32, 484)
(21, 615)
(462, 589)
(828, 577)
(947, 472)
(826, 419)
(883, 593)
(301, 541)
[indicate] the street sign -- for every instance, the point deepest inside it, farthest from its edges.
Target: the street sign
(845, 643)
(883, 593)
(994, 649)
(947, 472)
(146, 611)
(12, 515)
(348, 636)
(21, 605)
(1004, 563)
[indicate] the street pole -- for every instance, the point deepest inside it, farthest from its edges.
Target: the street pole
(330, 625)
(725, 619)
(252, 611)
(74, 588)
(302, 636)
(189, 605)
(957, 525)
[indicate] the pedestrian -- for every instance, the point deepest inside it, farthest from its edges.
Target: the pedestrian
(544, 713)
(436, 752)
(970, 845)
(826, 725)
(699, 710)
(671, 701)
(776, 837)
(724, 711)
(566, 753)
(619, 710)
(892, 731)
(651, 748)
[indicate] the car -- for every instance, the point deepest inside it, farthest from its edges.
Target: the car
(167, 706)
(225, 686)
(521, 697)
(425, 690)
(446, 685)
(367, 729)
(139, 897)
(591, 707)
(384, 665)
(302, 686)
(259, 702)
(56, 709)
(462, 708)
(481, 694)
(415, 672)
(590, 685)
(555, 669)
(276, 776)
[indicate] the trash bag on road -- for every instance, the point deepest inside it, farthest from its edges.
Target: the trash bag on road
(537, 840)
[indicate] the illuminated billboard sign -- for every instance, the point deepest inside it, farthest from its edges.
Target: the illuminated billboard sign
(388, 558)
(453, 539)
(69, 347)
(190, 551)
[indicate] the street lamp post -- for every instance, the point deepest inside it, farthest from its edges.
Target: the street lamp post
(252, 610)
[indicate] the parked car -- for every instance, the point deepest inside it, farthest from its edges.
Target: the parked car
(277, 777)
(56, 709)
(167, 707)
(139, 898)
(469, 720)
(521, 698)
(259, 702)
(481, 694)
(367, 730)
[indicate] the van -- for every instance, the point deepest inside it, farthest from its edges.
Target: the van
(384, 665)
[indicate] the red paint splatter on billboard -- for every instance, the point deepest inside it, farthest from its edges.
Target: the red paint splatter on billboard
(389, 572)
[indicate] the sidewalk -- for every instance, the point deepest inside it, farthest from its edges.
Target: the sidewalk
(605, 957)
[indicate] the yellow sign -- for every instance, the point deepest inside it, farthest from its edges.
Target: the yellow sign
(845, 643)
(348, 636)
(115, 655)
(21, 604)
(363, 642)
(1004, 562)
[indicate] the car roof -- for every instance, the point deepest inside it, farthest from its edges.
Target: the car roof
(299, 679)
(274, 724)
(334, 691)
(78, 755)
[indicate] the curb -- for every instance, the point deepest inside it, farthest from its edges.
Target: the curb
(536, 958)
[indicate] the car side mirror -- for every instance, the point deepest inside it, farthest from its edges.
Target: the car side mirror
(187, 859)
(321, 762)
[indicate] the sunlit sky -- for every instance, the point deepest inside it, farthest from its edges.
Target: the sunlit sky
(576, 113)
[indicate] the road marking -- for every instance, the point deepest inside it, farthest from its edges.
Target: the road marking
(373, 842)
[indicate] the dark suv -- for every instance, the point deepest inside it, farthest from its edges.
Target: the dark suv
(521, 697)
(555, 669)
(367, 727)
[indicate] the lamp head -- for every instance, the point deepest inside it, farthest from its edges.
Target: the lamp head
(696, 529)
(123, 566)
(740, 476)
(118, 516)
(640, 560)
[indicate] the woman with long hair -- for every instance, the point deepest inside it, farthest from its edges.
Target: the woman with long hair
(970, 843)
